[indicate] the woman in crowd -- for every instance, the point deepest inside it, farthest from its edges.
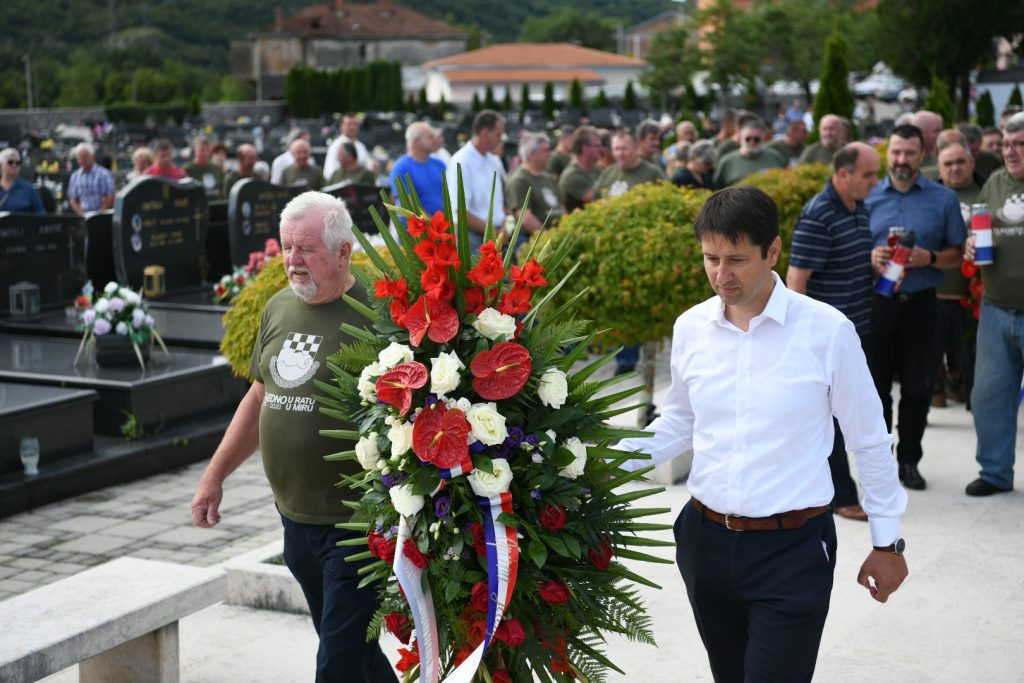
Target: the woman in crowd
(700, 166)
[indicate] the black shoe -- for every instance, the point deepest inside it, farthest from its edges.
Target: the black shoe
(623, 369)
(911, 478)
(980, 487)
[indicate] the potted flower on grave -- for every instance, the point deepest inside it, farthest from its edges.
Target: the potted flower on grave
(232, 284)
(491, 496)
(117, 323)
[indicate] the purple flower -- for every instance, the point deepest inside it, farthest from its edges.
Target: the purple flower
(532, 439)
(116, 304)
(88, 316)
(101, 326)
(431, 400)
(394, 478)
(535, 494)
(505, 451)
(515, 436)
(443, 507)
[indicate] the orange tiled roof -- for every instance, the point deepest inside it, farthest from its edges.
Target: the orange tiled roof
(380, 18)
(535, 54)
(521, 75)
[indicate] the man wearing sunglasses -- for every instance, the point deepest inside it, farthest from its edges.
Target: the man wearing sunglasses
(16, 193)
(750, 158)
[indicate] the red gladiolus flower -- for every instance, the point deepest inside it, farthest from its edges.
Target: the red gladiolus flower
(500, 676)
(439, 436)
(481, 596)
(515, 301)
(501, 372)
(438, 228)
(554, 592)
(511, 633)
(410, 658)
(382, 548)
(476, 633)
(399, 626)
(417, 226)
(387, 287)
(433, 277)
(530, 275)
(445, 292)
(968, 269)
(474, 301)
(433, 318)
(399, 307)
(490, 269)
(438, 253)
(479, 539)
(395, 386)
(413, 553)
(552, 517)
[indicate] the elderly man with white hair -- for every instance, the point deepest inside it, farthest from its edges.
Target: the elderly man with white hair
(91, 187)
(419, 167)
(833, 133)
(16, 193)
(545, 207)
(298, 331)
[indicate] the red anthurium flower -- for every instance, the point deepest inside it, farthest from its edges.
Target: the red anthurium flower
(474, 301)
(439, 436)
(530, 275)
(515, 301)
(399, 626)
(417, 226)
(438, 228)
(387, 287)
(432, 317)
(413, 553)
(395, 386)
(433, 277)
(490, 269)
(501, 372)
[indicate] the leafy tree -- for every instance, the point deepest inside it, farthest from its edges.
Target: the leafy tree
(938, 101)
(82, 81)
(475, 106)
(669, 59)
(155, 87)
(629, 97)
(731, 44)
(195, 108)
(985, 110)
(117, 87)
(524, 97)
(569, 25)
(549, 100)
(576, 94)
(834, 95)
(489, 101)
(473, 39)
(506, 105)
(1015, 97)
(233, 90)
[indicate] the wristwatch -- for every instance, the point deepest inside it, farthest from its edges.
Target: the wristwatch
(896, 548)
(931, 258)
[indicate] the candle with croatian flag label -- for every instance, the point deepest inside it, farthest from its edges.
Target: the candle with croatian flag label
(981, 226)
(886, 284)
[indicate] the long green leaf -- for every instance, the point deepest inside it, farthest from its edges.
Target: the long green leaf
(360, 307)
(619, 570)
(371, 251)
(549, 296)
(358, 333)
(641, 557)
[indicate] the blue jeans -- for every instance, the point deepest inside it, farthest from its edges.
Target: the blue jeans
(340, 611)
(997, 379)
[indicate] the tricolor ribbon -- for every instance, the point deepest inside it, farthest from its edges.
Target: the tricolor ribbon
(502, 569)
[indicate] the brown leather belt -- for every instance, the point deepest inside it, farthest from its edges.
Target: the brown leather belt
(793, 519)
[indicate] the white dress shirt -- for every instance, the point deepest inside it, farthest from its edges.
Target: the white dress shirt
(478, 172)
(331, 163)
(281, 162)
(756, 407)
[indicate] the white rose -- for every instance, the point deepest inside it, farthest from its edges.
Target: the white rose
(394, 354)
(487, 485)
(110, 288)
(487, 423)
(444, 372)
(122, 328)
(102, 305)
(368, 386)
(575, 468)
(366, 451)
(553, 388)
(404, 501)
(400, 436)
(492, 324)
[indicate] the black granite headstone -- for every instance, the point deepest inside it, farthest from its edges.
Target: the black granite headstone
(99, 252)
(254, 215)
(46, 250)
(218, 243)
(359, 199)
(29, 411)
(163, 223)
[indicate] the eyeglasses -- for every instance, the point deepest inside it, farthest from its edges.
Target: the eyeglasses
(14, 162)
(751, 139)
(1018, 144)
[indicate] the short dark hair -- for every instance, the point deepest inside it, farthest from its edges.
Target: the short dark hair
(908, 131)
(582, 137)
(846, 158)
(991, 130)
(350, 149)
(738, 211)
(163, 143)
(971, 131)
(648, 127)
(487, 119)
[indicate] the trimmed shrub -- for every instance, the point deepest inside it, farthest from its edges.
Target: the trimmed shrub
(549, 100)
(834, 95)
(985, 110)
(938, 100)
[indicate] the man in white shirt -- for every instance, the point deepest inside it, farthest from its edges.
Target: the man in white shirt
(285, 158)
(349, 133)
(758, 372)
(481, 169)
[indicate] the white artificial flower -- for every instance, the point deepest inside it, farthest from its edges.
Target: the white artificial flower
(110, 288)
(405, 502)
(487, 485)
(553, 388)
(366, 451)
(444, 372)
(131, 297)
(400, 436)
(492, 324)
(367, 386)
(487, 423)
(102, 305)
(394, 354)
(462, 404)
(575, 468)
(122, 328)
(123, 292)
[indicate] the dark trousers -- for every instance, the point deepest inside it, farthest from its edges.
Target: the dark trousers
(951, 351)
(902, 328)
(341, 612)
(759, 598)
(839, 464)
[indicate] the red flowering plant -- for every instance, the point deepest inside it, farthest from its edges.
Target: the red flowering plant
(491, 497)
(231, 285)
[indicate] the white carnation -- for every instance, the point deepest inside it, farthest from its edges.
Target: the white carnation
(487, 423)
(122, 328)
(487, 485)
(553, 388)
(575, 468)
(400, 436)
(462, 404)
(405, 502)
(444, 372)
(367, 385)
(131, 297)
(102, 305)
(110, 288)
(394, 354)
(366, 451)
(492, 324)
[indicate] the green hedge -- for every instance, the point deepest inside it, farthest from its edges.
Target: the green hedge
(136, 112)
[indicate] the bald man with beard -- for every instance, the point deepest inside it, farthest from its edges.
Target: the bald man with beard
(833, 133)
(931, 125)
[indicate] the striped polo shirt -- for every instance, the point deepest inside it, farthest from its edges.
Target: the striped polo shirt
(835, 244)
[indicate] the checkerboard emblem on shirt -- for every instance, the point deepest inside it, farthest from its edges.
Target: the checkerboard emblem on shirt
(296, 363)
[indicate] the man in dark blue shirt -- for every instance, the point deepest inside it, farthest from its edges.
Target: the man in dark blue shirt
(903, 325)
(16, 193)
(830, 260)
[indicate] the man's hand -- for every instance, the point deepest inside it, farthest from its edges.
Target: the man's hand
(882, 573)
(969, 249)
(206, 502)
(880, 257)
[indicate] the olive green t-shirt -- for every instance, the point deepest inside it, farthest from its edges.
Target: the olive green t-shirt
(956, 284)
(986, 163)
(789, 153)
(292, 347)
(725, 146)
(1004, 279)
(574, 183)
(817, 154)
(210, 176)
(615, 180)
(734, 167)
(545, 198)
(310, 176)
(232, 177)
(360, 175)
(557, 162)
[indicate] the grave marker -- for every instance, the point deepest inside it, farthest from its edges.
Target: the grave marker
(46, 250)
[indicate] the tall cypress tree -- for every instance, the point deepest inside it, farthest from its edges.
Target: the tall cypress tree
(629, 97)
(489, 101)
(834, 95)
(938, 100)
(549, 100)
(985, 110)
(1015, 98)
(475, 105)
(576, 94)
(506, 105)
(524, 98)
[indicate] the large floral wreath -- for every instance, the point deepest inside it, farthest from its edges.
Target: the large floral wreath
(490, 491)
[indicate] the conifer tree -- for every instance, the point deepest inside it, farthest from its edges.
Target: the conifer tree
(834, 95)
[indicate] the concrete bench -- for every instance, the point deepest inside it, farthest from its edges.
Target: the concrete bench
(118, 620)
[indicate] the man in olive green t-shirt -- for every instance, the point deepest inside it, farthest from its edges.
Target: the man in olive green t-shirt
(628, 170)
(792, 146)
(204, 170)
(545, 207)
(833, 133)
(303, 172)
(279, 415)
(750, 158)
(997, 371)
(349, 168)
(577, 180)
(562, 154)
